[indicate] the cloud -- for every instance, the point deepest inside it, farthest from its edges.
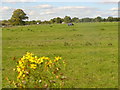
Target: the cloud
(110, 1)
(6, 12)
(31, 13)
(19, 1)
(44, 6)
(47, 13)
(5, 8)
(60, 0)
(72, 7)
(114, 9)
(78, 11)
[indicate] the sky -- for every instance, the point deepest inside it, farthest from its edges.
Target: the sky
(48, 9)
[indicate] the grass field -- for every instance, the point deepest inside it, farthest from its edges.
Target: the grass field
(90, 50)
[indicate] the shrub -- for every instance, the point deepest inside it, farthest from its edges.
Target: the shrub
(39, 72)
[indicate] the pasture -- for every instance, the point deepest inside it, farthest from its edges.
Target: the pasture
(90, 50)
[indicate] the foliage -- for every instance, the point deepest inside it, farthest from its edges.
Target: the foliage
(58, 20)
(18, 17)
(67, 19)
(39, 72)
(98, 19)
(75, 19)
(5, 23)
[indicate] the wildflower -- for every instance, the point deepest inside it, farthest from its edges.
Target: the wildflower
(26, 72)
(36, 57)
(23, 75)
(46, 58)
(46, 85)
(31, 60)
(57, 76)
(40, 81)
(57, 69)
(33, 66)
(23, 58)
(14, 69)
(49, 63)
(24, 82)
(18, 69)
(39, 61)
(30, 54)
(57, 58)
(20, 62)
(20, 74)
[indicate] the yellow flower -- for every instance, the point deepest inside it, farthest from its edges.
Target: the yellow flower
(49, 63)
(33, 66)
(31, 60)
(38, 61)
(23, 58)
(58, 58)
(46, 58)
(20, 74)
(36, 57)
(20, 62)
(18, 69)
(23, 75)
(22, 66)
(31, 54)
(41, 60)
(28, 57)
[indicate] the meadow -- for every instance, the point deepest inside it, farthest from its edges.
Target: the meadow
(89, 49)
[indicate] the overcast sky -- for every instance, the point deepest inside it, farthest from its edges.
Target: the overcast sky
(47, 9)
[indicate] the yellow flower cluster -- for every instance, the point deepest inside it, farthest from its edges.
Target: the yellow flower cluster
(30, 62)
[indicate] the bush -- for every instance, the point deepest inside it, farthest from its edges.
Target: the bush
(39, 72)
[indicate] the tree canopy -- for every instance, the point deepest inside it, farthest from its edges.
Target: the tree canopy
(18, 17)
(67, 19)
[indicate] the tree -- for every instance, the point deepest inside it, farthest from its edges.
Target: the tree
(104, 20)
(52, 20)
(58, 20)
(18, 17)
(75, 19)
(110, 19)
(38, 21)
(5, 23)
(86, 19)
(67, 19)
(98, 19)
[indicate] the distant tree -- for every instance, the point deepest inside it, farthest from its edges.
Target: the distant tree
(75, 19)
(5, 23)
(116, 19)
(58, 20)
(46, 22)
(38, 21)
(33, 22)
(18, 17)
(98, 19)
(67, 19)
(86, 20)
(52, 20)
(110, 19)
(104, 20)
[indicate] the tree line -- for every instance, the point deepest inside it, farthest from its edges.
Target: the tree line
(19, 17)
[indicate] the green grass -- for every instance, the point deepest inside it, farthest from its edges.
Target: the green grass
(90, 50)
